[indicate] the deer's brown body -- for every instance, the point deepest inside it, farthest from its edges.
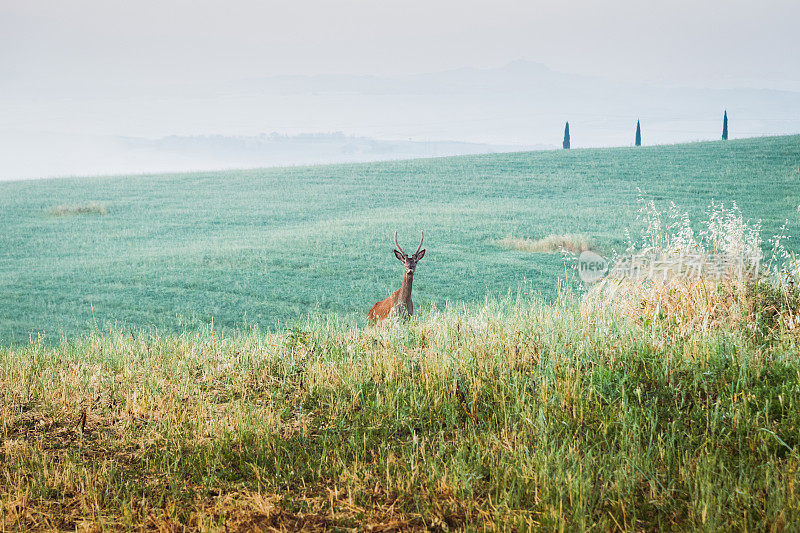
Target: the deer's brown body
(399, 302)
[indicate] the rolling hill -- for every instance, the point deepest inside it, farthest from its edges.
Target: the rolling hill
(266, 246)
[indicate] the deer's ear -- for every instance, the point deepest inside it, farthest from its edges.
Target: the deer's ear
(398, 255)
(420, 254)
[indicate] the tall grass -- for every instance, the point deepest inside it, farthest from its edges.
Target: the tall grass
(700, 279)
(515, 414)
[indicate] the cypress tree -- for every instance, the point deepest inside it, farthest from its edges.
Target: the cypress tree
(565, 144)
(638, 134)
(725, 126)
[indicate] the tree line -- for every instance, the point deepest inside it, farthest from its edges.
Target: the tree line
(638, 138)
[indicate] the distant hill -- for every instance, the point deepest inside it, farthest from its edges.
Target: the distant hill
(520, 105)
(54, 155)
(219, 151)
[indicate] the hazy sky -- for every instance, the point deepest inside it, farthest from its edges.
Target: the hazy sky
(719, 43)
(78, 75)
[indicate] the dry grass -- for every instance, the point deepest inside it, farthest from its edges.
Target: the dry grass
(551, 244)
(688, 282)
(688, 305)
(92, 208)
(517, 415)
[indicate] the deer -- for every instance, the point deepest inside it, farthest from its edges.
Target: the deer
(399, 302)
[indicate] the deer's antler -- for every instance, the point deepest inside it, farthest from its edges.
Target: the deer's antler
(420, 242)
(398, 246)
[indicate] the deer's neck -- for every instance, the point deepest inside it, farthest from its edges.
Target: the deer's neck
(405, 288)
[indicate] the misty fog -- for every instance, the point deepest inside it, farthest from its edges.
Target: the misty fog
(233, 125)
(96, 87)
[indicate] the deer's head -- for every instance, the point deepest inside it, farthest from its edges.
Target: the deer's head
(409, 262)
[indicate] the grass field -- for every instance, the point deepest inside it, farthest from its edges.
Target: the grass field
(514, 415)
(671, 406)
(264, 247)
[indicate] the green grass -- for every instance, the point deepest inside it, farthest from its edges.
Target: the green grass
(548, 410)
(515, 415)
(267, 246)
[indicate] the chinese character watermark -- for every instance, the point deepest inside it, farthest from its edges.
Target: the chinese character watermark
(593, 267)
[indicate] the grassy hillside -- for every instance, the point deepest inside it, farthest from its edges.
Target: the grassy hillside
(643, 404)
(264, 246)
(516, 415)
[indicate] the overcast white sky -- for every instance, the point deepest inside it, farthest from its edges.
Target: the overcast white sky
(718, 43)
